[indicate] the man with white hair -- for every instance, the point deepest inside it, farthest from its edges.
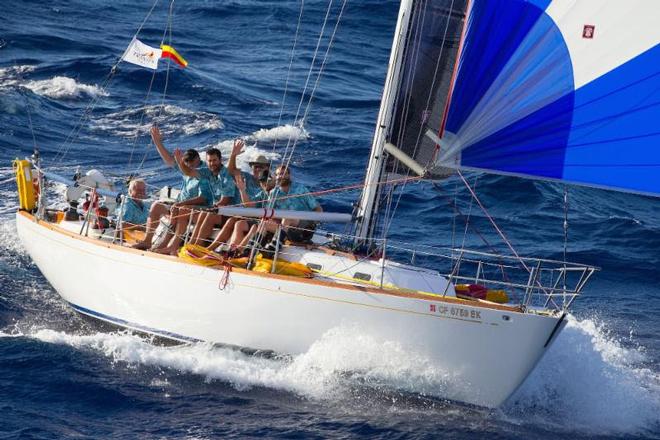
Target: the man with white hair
(135, 209)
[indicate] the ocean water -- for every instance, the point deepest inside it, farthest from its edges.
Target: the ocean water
(61, 376)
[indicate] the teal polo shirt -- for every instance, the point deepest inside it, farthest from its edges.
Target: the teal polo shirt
(132, 212)
(213, 188)
(190, 187)
(303, 202)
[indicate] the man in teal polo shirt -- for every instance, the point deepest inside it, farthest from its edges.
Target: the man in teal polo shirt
(134, 210)
(189, 194)
(294, 196)
(286, 195)
(251, 190)
(216, 185)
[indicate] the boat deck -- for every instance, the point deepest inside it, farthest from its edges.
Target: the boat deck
(336, 272)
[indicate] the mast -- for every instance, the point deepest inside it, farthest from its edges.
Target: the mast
(368, 205)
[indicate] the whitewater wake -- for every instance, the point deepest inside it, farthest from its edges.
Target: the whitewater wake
(590, 381)
(587, 382)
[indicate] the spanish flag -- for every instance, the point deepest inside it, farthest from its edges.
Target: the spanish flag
(171, 53)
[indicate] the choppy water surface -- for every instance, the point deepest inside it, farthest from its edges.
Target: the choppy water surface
(61, 377)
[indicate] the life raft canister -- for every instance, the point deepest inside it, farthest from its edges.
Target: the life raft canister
(27, 196)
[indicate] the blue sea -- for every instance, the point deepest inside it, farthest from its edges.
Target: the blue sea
(63, 377)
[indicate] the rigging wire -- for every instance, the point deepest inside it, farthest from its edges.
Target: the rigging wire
(372, 225)
(565, 235)
(274, 194)
(168, 31)
(27, 107)
(453, 218)
(288, 73)
(309, 75)
(322, 68)
(290, 148)
(87, 112)
(499, 231)
(421, 129)
(420, 13)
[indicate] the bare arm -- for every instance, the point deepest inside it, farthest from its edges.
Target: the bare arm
(158, 142)
(238, 149)
(224, 201)
(318, 209)
(185, 169)
(240, 185)
(199, 200)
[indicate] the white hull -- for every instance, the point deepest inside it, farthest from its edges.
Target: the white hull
(488, 351)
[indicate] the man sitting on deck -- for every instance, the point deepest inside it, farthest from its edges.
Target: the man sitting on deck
(294, 196)
(189, 195)
(287, 195)
(216, 184)
(135, 209)
(252, 188)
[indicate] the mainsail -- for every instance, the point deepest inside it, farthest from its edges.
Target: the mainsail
(566, 90)
(562, 90)
(427, 70)
(422, 64)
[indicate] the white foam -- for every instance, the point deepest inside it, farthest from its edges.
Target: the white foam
(9, 242)
(171, 119)
(9, 78)
(62, 87)
(590, 381)
(14, 71)
(342, 358)
(281, 133)
(250, 152)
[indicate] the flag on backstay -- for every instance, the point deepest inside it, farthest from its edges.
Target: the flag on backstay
(146, 56)
(139, 53)
(171, 53)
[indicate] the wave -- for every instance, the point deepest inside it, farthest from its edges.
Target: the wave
(14, 72)
(588, 381)
(10, 245)
(12, 76)
(250, 152)
(171, 119)
(286, 132)
(281, 133)
(62, 87)
(8, 194)
(325, 371)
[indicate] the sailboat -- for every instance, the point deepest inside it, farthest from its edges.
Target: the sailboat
(548, 89)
